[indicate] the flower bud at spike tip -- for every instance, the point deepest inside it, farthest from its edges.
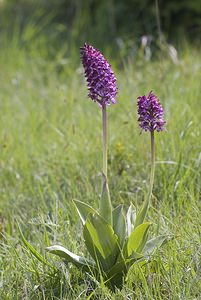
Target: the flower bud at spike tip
(150, 113)
(100, 77)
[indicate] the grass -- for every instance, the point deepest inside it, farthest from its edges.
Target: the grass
(50, 140)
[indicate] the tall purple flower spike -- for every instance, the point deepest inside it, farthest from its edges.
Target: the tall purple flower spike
(100, 77)
(150, 113)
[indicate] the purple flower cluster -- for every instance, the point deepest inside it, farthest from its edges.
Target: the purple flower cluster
(100, 77)
(150, 113)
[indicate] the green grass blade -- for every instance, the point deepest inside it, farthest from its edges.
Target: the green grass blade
(34, 251)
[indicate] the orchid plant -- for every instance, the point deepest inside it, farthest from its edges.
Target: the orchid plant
(115, 238)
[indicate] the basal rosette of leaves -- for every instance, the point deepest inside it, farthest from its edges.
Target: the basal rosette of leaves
(113, 249)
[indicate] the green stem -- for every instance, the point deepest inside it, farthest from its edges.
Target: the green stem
(143, 212)
(104, 124)
(152, 162)
(105, 201)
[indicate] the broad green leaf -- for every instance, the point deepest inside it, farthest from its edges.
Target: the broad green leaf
(78, 261)
(130, 219)
(137, 239)
(105, 202)
(83, 210)
(101, 241)
(119, 224)
(34, 251)
(154, 243)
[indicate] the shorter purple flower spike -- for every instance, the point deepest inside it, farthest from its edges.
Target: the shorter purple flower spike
(150, 113)
(100, 77)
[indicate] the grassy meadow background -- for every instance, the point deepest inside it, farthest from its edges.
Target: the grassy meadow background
(50, 154)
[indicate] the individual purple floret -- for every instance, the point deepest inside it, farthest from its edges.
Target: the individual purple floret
(151, 113)
(100, 77)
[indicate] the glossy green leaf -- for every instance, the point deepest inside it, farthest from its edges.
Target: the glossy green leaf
(101, 241)
(119, 224)
(83, 210)
(130, 219)
(153, 244)
(78, 261)
(137, 239)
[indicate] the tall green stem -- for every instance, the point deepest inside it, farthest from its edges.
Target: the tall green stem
(104, 124)
(105, 201)
(152, 163)
(143, 212)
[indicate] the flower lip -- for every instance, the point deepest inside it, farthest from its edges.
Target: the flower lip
(101, 80)
(150, 113)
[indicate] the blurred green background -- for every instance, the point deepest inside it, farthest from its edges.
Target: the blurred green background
(114, 23)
